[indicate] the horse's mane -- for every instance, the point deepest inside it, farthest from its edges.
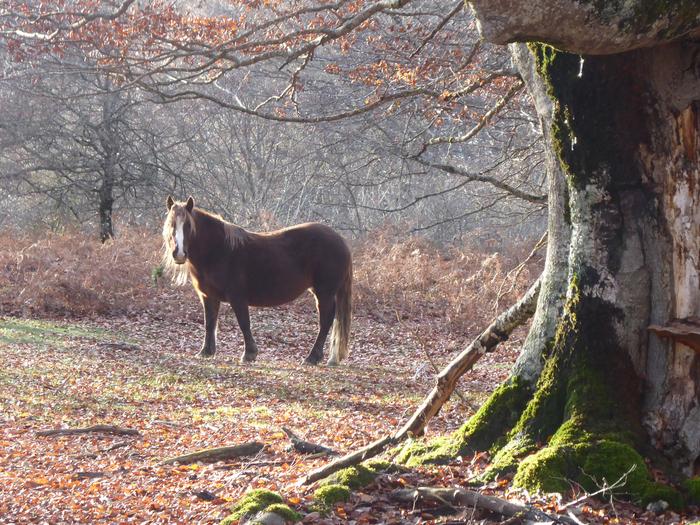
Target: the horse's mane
(234, 237)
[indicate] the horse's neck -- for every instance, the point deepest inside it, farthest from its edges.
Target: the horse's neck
(210, 236)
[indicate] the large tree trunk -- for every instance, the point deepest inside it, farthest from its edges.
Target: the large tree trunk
(623, 129)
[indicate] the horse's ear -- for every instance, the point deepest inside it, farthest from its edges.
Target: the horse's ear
(169, 202)
(190, 203)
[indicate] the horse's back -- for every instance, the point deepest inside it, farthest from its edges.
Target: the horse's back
(311, 239)
(293, 259)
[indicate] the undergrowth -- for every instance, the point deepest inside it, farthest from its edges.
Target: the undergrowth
(396, 277)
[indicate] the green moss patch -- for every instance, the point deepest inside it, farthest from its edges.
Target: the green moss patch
(489, 425)
(253, 502)
(590, 465)
(692, 488)
(510, 456)
(329, 495)
(354, 477)
(416, 452)
(659, 491)
(548, 470)
(607, 461)
(285, 511)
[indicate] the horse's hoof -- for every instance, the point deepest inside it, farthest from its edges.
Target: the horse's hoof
(204, 354)
(248, 358)
(313, 361)
(332, 362)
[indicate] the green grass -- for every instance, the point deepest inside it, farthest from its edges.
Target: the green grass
(44, 333)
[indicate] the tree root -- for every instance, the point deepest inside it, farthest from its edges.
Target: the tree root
(458, 497)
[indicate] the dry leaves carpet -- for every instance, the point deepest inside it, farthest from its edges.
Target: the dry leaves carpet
(91, 335)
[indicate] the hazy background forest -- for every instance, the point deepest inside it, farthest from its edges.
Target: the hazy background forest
(460, 159)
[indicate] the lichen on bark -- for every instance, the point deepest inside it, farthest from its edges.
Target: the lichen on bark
(585, 408)
(582, 424)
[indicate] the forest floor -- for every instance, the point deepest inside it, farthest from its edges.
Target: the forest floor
(138, 369)
(142, 373)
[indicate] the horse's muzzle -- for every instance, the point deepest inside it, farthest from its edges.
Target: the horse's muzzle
(179, 259)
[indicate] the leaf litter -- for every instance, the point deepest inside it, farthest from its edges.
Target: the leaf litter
(133, 366)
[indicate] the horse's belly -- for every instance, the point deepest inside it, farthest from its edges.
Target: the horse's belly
(276, 296)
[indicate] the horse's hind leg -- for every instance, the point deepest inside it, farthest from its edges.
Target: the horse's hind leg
(326, 314)
(243, 317)
(211, 317)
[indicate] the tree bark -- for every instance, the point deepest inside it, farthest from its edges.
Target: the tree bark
(622, 129)
(109, 142)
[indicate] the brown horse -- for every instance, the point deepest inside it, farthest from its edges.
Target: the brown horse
(227, 263)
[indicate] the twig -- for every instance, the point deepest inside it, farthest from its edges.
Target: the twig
(456, 9)
(217, 454)
(605, 488)
(109, 429)
(518, 269)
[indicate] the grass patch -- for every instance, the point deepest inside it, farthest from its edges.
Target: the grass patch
(44, 333)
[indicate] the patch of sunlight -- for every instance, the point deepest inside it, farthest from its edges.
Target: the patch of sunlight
(45, 333)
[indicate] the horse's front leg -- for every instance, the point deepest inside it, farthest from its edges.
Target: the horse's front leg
(243, 317)
(211, 318)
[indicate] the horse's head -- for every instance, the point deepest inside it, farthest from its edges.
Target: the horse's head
(178, 229)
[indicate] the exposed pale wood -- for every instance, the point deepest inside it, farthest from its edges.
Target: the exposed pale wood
(306, 447)
(217, 454)
(686, 331)
(468, 498)
(109, 429)
(497, 332)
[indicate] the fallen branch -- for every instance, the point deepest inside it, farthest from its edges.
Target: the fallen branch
(109, 429)
(306, 447)
(115, 446)
(468, 498)
(497, 332)
(89, 475)
(217, 454)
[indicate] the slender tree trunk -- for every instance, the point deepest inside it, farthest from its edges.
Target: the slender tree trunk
(106, 194)
(109, 142)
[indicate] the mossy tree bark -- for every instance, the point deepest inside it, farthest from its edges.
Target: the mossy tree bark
(593, 388)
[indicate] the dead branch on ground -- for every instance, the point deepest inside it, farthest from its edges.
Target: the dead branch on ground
(306, 447)
(109, 429)
(217, 454)
(498, 331)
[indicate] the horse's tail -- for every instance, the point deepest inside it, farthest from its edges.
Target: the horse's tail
(340, 336)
